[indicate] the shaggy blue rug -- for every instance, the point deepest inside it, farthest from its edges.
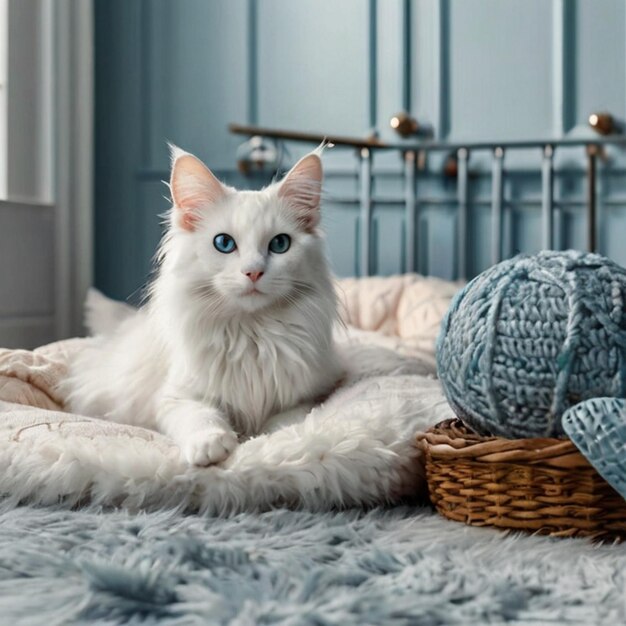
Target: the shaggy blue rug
(397, 566)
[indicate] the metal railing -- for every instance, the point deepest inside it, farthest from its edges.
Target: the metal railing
(413, 151)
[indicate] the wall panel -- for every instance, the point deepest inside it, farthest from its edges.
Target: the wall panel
(29, 131)
(27, 259)
(600, 49)
(195, 77)
(27, 288)
(500, 69)
(486, 69)
(391, 68)
(429, 49)
(340, 223)
(313, 64)
(26, 333)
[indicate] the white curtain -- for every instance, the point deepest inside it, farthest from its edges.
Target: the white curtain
(46, 203)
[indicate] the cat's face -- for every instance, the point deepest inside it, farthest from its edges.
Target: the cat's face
(247, 250)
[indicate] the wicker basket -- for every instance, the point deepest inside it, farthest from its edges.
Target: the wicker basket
(542, 486)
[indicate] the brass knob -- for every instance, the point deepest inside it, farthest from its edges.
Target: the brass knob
(404, 124)
(602, 123)
(451, 166)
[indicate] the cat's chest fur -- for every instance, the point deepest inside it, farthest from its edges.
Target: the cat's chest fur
(252, 369)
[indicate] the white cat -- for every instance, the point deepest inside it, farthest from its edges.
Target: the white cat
(239, 322)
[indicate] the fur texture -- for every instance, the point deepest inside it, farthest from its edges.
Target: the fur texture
(399, 568)
(357, 448)
(228, 339)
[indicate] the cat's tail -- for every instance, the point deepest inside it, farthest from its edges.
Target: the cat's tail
(103, 315)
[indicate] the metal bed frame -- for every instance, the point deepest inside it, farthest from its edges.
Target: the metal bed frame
(414, 150)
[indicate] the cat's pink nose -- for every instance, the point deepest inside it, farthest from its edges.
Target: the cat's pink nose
(254, 276)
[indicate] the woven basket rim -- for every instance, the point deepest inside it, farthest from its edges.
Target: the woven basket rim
(452, 439)
(539, 485)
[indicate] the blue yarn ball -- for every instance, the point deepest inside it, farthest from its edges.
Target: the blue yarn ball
(532, 336)
(598, 429)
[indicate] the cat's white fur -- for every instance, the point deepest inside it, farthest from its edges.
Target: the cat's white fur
(207, 359)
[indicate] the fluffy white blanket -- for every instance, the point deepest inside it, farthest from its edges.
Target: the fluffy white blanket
(355, 449)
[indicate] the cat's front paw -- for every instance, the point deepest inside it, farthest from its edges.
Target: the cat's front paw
(208, 447)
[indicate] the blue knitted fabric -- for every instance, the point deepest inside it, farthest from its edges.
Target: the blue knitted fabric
(598, 429)
(532, 336)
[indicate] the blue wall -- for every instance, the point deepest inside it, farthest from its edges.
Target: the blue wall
(485, 69)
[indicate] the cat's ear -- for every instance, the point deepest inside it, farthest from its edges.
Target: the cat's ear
(193, 187)
(302, 190)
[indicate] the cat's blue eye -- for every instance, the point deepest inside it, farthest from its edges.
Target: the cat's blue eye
(280, 243)
(224, 243)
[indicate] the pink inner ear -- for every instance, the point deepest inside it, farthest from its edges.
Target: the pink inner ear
(193, 188)
(302, 188)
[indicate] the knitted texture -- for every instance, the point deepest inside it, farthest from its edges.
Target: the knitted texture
(598, 429)
(532, 336)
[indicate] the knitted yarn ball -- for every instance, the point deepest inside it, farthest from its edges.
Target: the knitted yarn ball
(532, 336)
(598, 429)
